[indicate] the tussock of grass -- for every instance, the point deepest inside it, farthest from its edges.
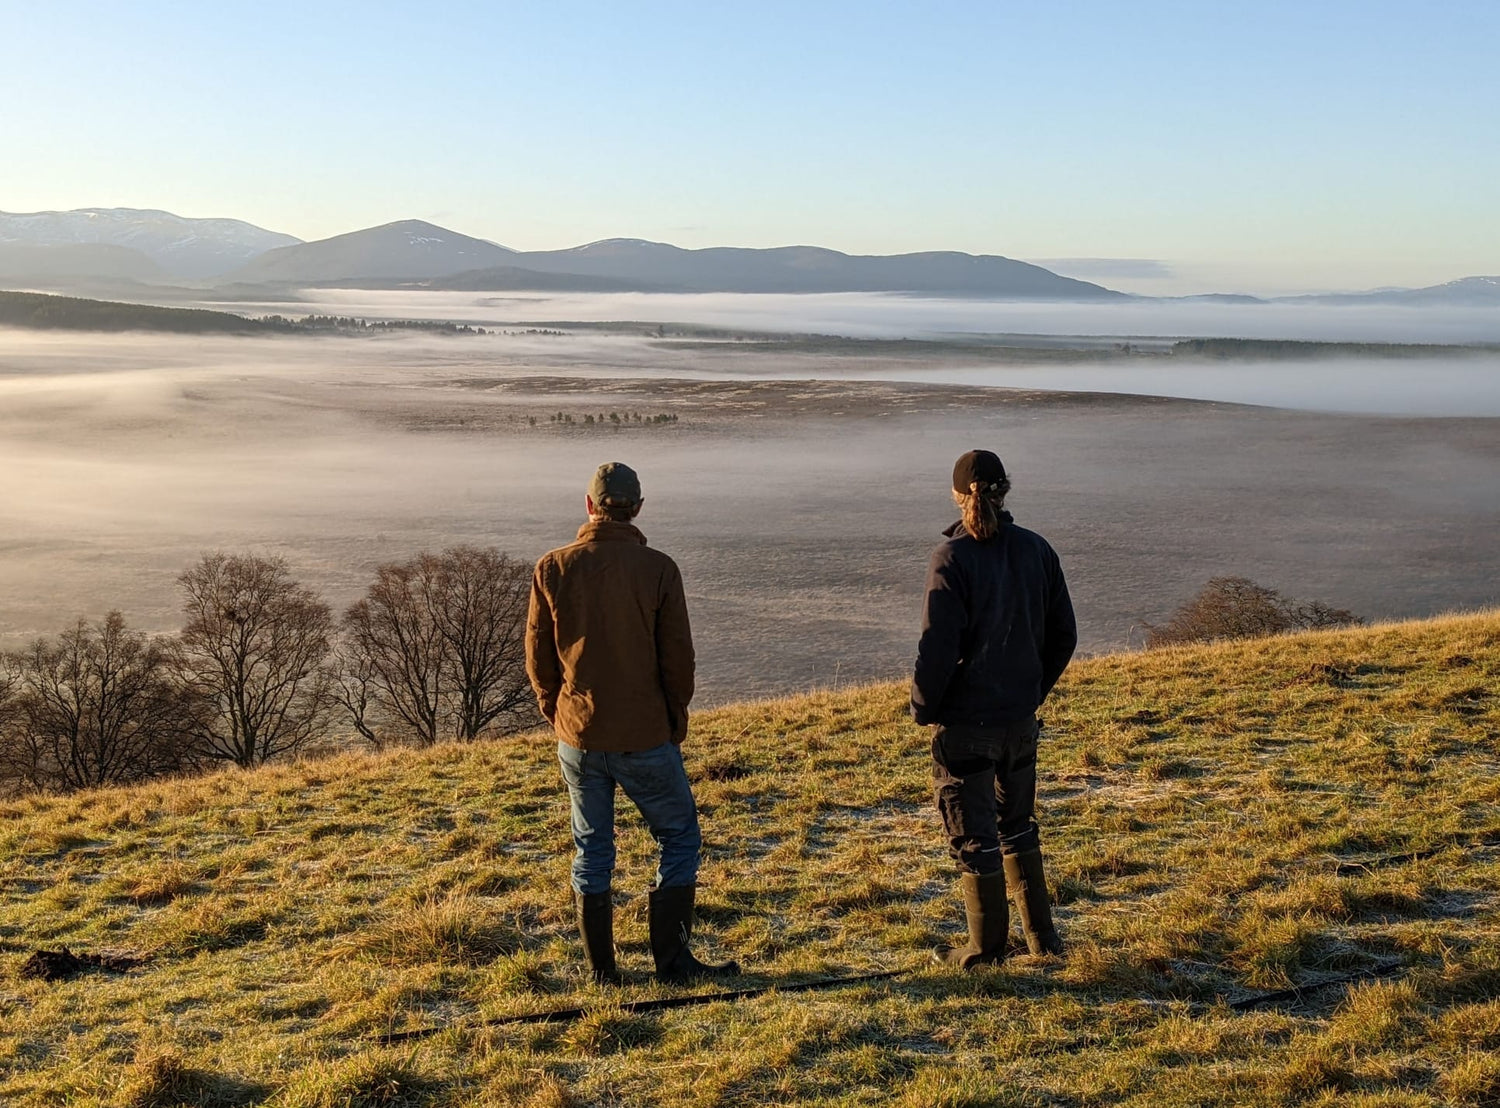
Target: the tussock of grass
(213, 923)
(162, 1080)
(1474, 1079)
(454, 929)
(160, 884)
(1218, 820)
(366, 1081)
(610, 1031)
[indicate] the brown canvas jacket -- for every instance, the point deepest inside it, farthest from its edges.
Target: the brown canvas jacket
(608, 646)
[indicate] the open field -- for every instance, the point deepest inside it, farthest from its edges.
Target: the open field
(1221, 823)
(800, 492)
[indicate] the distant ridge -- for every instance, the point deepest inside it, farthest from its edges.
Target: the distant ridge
(112, 249)
(182, 248)
(500, 278)
(791, 269)
(1466, 292)
(396, 254)
(400, 251)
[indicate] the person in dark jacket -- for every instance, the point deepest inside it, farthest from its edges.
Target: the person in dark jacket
(610, 656)
(997, 633)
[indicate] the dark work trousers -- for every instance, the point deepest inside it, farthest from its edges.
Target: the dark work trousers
(984, 779)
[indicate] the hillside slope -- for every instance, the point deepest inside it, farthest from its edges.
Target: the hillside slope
(182, 248)
(22, 262)
(43, 311)
(403, 250)
(1221, 823)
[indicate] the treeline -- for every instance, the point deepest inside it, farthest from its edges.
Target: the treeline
(345, 323)
(263, 667)
(39, 310)
(1278, 349)
(46, 312)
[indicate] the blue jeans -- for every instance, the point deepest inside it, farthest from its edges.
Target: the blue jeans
(656, 782)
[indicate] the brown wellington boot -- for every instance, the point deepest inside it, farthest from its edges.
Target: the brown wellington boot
(989, 923)
(671, 924)
(1028, 888)
(596, 923)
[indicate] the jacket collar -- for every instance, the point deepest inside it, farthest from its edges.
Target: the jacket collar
(610, 530)
(958, 528)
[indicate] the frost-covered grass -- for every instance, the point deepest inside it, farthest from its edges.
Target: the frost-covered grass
(1219, 821)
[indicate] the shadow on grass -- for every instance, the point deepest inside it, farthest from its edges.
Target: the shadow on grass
(165, 1079)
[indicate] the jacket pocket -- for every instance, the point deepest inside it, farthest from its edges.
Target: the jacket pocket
(575, 711)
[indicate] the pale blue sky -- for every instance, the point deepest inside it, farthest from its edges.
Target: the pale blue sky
(1258, 146)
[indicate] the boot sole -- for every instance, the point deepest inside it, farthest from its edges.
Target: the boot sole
(944, 956)
(732, 969)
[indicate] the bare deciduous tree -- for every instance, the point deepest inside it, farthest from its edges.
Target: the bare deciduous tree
(254, 651)
(482, 620)
(1238, 608)
(9, 776)
(394, 645)
(354, 692)
(438, 646)
(97, 707)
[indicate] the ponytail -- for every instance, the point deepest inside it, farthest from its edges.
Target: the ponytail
(981, 507)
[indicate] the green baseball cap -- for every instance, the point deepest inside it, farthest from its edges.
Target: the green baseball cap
(615, 484)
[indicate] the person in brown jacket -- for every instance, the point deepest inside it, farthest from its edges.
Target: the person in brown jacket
(610, 657)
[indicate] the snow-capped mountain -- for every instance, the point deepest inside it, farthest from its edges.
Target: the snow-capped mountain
(182, 248)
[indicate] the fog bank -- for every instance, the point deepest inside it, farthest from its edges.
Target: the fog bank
(893, 315)
(802, 515)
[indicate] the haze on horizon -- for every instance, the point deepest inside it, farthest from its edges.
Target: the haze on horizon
(1168, 149)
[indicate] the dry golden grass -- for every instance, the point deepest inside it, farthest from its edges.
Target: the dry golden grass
(1219, 821)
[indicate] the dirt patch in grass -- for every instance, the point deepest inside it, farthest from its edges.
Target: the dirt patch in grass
(59, 965)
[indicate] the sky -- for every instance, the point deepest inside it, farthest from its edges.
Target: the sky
(1154, 146)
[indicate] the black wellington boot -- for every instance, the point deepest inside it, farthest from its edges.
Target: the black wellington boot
(1028, 887)
(989, 923)
(596, 923)
(671, 921)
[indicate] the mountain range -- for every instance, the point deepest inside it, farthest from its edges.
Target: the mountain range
(121, 247)
(154, 248)
(411, 249)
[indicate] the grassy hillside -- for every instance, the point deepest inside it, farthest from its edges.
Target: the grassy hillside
(1222, 823)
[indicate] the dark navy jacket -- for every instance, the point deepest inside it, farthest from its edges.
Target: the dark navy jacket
(997, 629)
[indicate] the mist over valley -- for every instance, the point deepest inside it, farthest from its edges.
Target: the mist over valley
(800, 491)
(1437, 386)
